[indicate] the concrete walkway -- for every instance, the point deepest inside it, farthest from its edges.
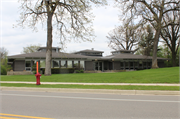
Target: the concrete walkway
(93, 91)
(72, 83)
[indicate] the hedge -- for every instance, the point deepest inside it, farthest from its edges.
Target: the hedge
(60, 70)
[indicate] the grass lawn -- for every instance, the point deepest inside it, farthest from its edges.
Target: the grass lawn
(161, 75)
(167, 88)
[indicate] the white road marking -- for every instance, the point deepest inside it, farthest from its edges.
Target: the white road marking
(89, 98)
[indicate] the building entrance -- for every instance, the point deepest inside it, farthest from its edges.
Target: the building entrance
(99, 66)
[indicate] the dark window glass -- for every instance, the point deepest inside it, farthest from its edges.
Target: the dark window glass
(28, 63)
(56, 63)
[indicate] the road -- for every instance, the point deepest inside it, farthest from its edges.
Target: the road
(89, 106)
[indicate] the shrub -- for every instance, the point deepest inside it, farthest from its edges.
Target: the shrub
(3, 70)
(4, 66)
(79, 71)
(60, 70)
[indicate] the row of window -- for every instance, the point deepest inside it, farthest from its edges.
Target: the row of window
(136, 64)
(57, 63)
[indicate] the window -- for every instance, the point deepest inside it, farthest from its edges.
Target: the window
(63, 63)
(149, 64)
(28, 63)
(127, 64)
(135, 64)
(81, 64)
(42, 64)
(28, 66)
(56, 63)
(131, 64)
(34, 62)
(122, 64)
(144, 64)
(76, 64)
(140, 63)
(69, 64)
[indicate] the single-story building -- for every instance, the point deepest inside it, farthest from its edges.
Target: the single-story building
(88, 60)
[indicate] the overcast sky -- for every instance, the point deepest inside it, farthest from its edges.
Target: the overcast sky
(14, 39)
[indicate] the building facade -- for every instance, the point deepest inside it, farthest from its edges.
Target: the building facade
(88, 60)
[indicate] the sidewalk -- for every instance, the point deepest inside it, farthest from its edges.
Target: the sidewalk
(93, 91)
(97, 91)
(72, 83)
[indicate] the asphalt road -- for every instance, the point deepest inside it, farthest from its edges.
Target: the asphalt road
(89, 106)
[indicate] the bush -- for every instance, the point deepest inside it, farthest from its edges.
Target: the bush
(60, 70)
(3, 70)
(79, 71)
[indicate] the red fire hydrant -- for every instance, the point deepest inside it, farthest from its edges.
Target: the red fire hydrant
(38, 75)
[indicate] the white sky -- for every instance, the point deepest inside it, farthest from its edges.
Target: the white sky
(14, 39)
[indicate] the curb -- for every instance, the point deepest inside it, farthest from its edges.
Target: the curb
(72, 83)
(96, 91)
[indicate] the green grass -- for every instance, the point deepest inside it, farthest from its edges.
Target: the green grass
(167, 88)
(161, 75)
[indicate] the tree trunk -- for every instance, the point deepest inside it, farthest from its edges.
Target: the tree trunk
(49, 45)
(156, 40)
(173, 49)
(174, 58)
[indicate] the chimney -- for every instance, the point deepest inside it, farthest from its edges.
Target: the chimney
(57, 49)
(92, 48)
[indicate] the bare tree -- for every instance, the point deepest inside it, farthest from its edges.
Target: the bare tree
(151, 11)
(71, 18)
(171, 33)
(3, 53)
(30, 48)
(124, 37)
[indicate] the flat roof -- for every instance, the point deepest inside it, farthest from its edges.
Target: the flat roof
(43, 55)
(87, 50)
(123, 51)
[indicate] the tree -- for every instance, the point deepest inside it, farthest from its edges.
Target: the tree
(147, 41)
(30, 48)
(151, 11)
(124, 37)
(4, 62)
(3, 53)
(171, 33)
(165, 52)
(72, 18)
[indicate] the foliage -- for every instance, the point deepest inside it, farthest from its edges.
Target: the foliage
(34, 70)
(70, 20)
(30, 48)
(146, 41)
(171, 34)
(62, 70)
(3, 53)
(124, 37)
(149, 11)
(3, 70)
(165, 52)
(4, 66)
(79, 71)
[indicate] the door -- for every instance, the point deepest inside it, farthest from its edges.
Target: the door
(98, 66)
